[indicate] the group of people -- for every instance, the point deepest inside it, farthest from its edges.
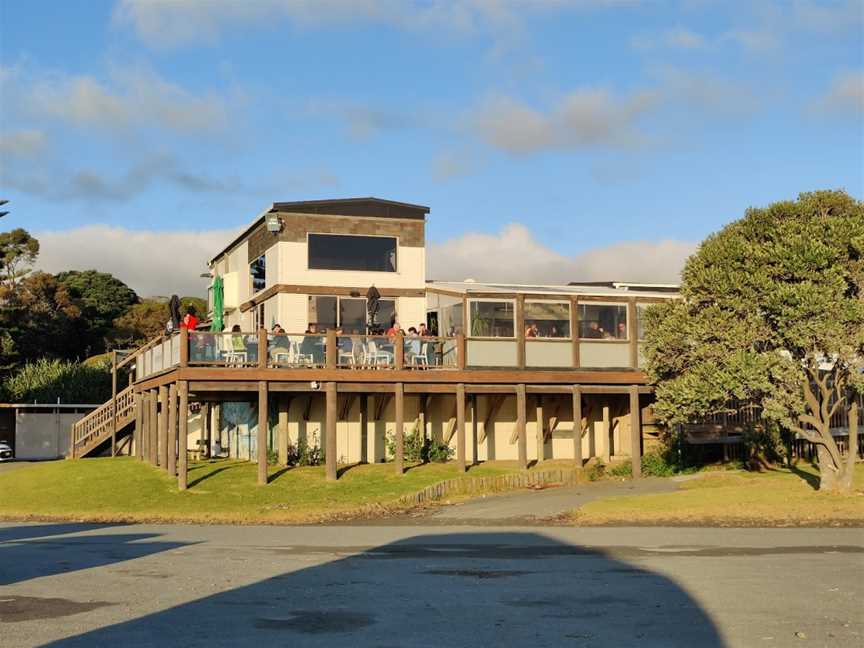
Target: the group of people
(534, 331)
(596, 332)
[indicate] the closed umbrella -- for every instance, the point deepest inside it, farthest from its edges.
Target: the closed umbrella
(174, 310)
(373, 297)
(217, 324)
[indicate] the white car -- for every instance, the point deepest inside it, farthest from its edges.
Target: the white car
(6, 452)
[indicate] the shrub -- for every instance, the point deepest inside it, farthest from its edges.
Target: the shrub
(418, 449)
(659, 463)
(44, 381)
(306, 454)
(624, 469)
(596, 471)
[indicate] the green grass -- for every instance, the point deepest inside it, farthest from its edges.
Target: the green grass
(779, 497)
(125, 489)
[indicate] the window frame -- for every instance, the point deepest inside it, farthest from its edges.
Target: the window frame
(470, 315)
(588, 302)
(386, 236)
(566, 303)
(339, 298)
(263, 259)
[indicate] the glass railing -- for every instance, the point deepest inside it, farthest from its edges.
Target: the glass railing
(366, 351)
(430, 352)
(224, 349)
(304, 350)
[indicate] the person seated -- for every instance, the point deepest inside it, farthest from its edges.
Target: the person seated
(422, 331)
(412, 345)
(531, 331)
(311, 342)
(621, 331)
(594, 332)
(278, 343)
(394, 329)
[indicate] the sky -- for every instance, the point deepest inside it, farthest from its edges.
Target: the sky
(553, 140)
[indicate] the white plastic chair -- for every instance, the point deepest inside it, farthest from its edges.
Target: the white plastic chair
(231, 355)
(378, 357)
(421, 359)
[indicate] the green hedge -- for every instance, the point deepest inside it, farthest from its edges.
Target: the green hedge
(44, 381)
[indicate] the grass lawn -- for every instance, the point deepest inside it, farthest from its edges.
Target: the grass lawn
(125, 489)
(774, 498)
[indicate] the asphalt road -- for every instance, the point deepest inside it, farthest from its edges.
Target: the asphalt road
(82, 585)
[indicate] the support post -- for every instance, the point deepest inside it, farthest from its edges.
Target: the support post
(577, 426)
(163, 428)
(330, 429)
(607, 434)
(153, 447)
(206, 427)
(114, 403)
(263, 424)
(172, 429)
(364, 428)
(182, 432)
(139, 421)
(145, 425)
(635, 432)
(184, 347)
(460, 427)
(284, 404)
(541, 441)
(460, 351)
(399, 350)
(262, 348)
(399, 406)
(332, 350)
(522, 439)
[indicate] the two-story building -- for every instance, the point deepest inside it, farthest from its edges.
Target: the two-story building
(501, 363)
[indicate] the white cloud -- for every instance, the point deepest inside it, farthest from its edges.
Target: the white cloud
(133, 98)
(584, 118)
(23, 143)
(677, 38)
(151, 262)
(170, 23)
(450, 166)
(479, 256)
(844, 96)
(755, 41)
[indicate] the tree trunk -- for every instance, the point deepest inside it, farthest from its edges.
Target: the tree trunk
(847, 474)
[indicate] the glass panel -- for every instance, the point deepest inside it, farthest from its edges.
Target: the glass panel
(370, 351)
(492, 319)
(602, 322)
(297, 350)
(234, 348)
(386, 315)
(352, 315)
(547, 320)
(451, 320)
(258, 274)
(428, 352)
(343, 252)
(322, 313)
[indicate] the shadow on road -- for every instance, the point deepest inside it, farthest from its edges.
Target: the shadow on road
(434, 590)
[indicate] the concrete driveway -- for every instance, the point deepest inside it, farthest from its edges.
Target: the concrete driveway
(83, 585)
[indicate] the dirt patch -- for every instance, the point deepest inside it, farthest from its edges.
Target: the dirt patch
(14, 609)
(317, 622)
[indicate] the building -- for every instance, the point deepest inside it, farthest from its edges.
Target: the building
(509, 371)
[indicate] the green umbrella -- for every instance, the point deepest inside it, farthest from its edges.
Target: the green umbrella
(217, 324)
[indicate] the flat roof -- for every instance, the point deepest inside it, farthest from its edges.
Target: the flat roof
(468, 287)
(368, 207)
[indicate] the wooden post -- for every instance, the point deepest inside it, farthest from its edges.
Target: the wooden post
(262, 348)
(635, 432)
(399, 401)
(163, 427)
(330, 428)
(139, 422)
(145, 425)
(114, 403)
(153, 443)
(182, 432)
(184, 347)
(574, 329)
(461, 358)
(284, 404)
(520, 331)
(607, 434)
(206, 426)
(172, 430)
(332, 350)
(460, 427)
(364, 428)
(632, 333)
(263, 424)
(541, 441)
(577, 426)
(520, 427)
(399, 350)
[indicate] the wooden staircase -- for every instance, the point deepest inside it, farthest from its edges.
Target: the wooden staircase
(94, 429)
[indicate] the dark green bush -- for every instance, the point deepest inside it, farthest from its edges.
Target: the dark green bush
(624, 469)
(659, 463)
(44, 381)
(306, 454)
(419, 449)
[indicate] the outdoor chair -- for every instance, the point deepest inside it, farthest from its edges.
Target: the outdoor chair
(376, 356)
(306, 359)
(234, 350)
(346, 358)
(421, 360)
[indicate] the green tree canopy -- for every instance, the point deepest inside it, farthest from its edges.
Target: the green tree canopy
(17, 250)
(772, 313)
(147, 319)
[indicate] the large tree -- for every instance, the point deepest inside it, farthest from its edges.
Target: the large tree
(772, 314)
(17, 251)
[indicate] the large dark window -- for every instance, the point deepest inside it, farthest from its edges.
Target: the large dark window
(343, 252)
(258, 273)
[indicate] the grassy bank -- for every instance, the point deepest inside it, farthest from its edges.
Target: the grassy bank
(779, 497)
(124, 489)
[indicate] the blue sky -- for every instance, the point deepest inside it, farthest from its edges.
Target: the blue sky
(563, 128)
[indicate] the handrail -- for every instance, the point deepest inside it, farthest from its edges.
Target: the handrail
(101, 418)
(140, 350)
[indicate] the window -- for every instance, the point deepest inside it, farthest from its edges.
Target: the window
(603, 321)
(343, 252)
(547, 319)
(347, 313)
(492, 319)
(258, 273)
(451, 320)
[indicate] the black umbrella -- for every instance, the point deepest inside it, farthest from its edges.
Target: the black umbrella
(373, 297)
(174, 309)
